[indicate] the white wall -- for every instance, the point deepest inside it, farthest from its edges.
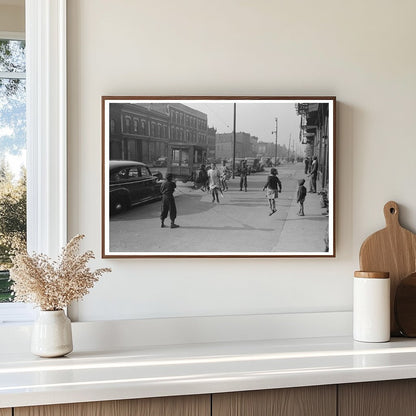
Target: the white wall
(360, 51)
(12, 16)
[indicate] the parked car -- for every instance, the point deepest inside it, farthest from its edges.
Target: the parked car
(253, 164)
(162, 162)
(132, 183)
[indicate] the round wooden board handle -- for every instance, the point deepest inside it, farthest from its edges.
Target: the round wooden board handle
(391, 214)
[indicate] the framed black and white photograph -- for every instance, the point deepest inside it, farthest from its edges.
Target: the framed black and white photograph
(218, 176)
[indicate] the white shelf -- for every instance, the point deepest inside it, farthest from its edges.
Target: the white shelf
(151, 371)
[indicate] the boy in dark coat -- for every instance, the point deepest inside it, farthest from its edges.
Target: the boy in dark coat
(301, 196)
(243, 175)
(168, 201)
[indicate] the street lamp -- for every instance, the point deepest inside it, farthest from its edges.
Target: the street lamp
(275, 146)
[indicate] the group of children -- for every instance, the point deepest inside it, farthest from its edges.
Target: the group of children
(213, 179)
(272, 187)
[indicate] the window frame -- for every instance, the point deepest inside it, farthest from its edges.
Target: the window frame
(46, 139)
(46, 125)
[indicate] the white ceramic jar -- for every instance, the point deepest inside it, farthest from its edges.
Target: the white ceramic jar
(371, 307)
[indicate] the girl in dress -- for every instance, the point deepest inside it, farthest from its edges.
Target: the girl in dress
(272, 187)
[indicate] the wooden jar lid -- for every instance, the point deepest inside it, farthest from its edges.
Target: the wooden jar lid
(405, 306)
(372, 275)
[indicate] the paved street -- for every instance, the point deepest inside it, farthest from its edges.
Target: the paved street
(239, 223)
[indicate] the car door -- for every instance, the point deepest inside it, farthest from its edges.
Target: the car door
(133, 184)
(149, 181)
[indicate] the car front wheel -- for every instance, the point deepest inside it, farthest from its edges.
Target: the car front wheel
(119, 205)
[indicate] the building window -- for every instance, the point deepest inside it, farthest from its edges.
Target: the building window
(176, 153)
(135, 125)
(127, 124)
(112, 126)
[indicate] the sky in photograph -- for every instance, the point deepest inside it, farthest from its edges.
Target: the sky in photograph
(257, 118)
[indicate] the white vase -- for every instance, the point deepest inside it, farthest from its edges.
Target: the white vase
(52, 334)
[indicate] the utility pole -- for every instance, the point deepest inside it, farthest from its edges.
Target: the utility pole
(275, 146)
(234, 138)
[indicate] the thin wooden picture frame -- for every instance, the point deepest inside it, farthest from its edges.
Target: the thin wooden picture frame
(241, 140)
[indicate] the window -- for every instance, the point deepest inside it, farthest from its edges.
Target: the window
(134, 173)
(185, 158)
(127, 124)
(175, 157)
(13, 155)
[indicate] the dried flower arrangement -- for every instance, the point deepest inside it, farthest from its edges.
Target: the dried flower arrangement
(52, 285)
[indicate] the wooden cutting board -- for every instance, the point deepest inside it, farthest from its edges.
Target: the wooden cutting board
(392, 250)
(405, 306)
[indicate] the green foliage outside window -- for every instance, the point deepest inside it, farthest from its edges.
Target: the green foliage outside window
(12, 147)
(12, 224)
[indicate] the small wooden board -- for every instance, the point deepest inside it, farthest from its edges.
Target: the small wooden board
(392, 250)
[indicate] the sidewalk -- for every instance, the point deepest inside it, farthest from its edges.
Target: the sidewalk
(304, 234)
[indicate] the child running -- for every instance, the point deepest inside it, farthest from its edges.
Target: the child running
(273, 186)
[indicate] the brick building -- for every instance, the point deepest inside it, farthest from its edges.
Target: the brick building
(225, 145)
(143, 131)
(314, 134)
(137, 133)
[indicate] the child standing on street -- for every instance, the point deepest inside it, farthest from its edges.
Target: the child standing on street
(168, 201)
(214, 182)
(301, 196)
(273, 186)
